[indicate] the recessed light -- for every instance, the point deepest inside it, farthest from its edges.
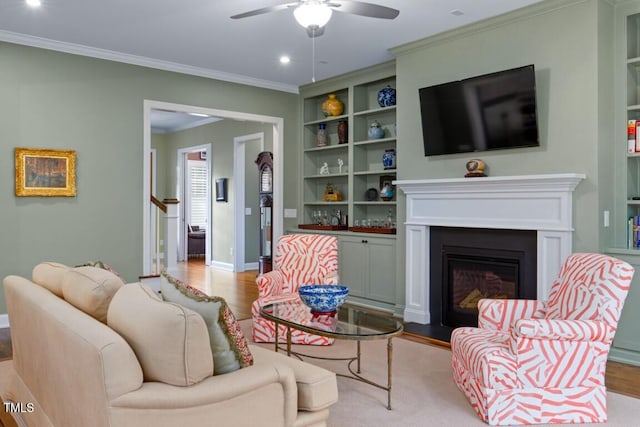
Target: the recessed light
(33, 3)
(284, 59)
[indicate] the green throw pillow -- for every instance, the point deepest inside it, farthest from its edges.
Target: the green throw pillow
(228, 343)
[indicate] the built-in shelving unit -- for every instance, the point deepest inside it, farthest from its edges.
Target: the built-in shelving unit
(367, 259)
(362, 165)
(626, 344)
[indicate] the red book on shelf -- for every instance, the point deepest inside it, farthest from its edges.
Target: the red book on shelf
(631, 136)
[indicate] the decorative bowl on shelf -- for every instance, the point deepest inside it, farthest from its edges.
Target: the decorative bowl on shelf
(323, 298)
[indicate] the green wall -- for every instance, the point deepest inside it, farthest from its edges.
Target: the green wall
(64, 101)
(570, 44)
(220, 135)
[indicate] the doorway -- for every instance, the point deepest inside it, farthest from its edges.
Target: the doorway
(194, 214)
(277, 124)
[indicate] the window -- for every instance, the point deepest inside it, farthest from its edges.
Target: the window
(197, 188)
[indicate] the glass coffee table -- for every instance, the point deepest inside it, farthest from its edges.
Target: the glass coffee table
(349, 323)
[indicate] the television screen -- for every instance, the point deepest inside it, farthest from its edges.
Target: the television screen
(488, 112)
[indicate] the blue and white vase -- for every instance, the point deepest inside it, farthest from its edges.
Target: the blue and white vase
(375, 130)
(387, 96)
(389, 159)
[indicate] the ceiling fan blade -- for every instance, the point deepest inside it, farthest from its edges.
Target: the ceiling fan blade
(265, 10)
(365, 9)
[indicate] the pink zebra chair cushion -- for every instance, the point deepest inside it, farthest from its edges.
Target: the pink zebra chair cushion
(533, 362)
(300, 259)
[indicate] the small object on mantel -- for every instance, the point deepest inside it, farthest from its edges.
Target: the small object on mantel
(475, 168)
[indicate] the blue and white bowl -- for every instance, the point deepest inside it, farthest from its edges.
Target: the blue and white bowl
(323, 298)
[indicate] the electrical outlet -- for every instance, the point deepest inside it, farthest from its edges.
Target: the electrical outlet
(606, 218)
(231, 251)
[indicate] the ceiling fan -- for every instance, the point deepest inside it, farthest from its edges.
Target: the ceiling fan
(314, 14)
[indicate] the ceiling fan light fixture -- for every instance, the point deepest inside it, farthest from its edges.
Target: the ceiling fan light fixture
(312, 14)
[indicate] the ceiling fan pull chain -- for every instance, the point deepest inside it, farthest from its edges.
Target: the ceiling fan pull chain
(313, 55)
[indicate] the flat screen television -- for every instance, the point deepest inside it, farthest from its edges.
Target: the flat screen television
(488, 112)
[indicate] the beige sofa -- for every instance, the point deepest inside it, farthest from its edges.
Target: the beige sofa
(77, 371)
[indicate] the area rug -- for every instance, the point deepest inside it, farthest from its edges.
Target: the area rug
(423, 391)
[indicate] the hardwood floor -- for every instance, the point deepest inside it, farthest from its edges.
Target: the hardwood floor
(240, 290)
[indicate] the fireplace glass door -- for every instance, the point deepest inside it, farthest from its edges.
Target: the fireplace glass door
(471, 278)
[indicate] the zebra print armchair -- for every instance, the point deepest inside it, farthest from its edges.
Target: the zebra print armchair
(535, 362)
(300, 259)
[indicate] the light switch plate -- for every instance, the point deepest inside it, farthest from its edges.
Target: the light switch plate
(290, 213)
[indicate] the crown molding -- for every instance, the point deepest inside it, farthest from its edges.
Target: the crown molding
(109, 55)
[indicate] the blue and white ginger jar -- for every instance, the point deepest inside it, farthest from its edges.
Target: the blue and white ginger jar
(387, 96)
(389, 159)
(375, 130)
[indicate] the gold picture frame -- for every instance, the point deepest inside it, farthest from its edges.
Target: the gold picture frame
(45, 172)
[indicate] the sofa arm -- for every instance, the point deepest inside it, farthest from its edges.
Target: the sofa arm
(563, 330)
(270, 284)
(162, 404)
(499, 314)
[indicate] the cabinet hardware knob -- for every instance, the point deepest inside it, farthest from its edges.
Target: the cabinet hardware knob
(365, 241)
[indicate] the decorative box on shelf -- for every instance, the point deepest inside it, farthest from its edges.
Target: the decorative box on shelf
(322, 227)
(377, 230)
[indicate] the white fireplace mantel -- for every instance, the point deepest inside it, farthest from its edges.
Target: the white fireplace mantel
(543, 203)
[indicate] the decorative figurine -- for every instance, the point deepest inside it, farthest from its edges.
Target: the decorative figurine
(386, 192)
(340, 164)
(324, 170)
(475, 168)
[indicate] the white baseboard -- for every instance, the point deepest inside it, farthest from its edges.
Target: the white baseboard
(4, 321)
(222, 265)
(251, 266)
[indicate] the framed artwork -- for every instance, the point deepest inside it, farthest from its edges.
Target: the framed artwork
(44, 172)
(221, 190)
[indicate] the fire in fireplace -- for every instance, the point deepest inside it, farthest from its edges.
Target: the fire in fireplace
(469, 264)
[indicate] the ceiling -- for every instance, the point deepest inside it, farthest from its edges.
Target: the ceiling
(198, 37)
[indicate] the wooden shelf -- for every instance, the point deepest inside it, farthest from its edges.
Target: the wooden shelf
(374, 230)
(322, 227)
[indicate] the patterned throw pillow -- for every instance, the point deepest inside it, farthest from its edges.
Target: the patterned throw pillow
(228, 343)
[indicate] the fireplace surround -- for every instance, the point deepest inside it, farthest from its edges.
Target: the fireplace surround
(543, 203)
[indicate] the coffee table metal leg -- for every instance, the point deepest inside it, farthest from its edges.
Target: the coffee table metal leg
(358, 370)
(288, 341)
(276, 333)
(389, 360)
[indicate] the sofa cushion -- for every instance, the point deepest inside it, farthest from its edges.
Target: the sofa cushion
(170, 341)
(102, 265)
(49, 275)
(90, 289)
(228, 343)
(317, 387)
